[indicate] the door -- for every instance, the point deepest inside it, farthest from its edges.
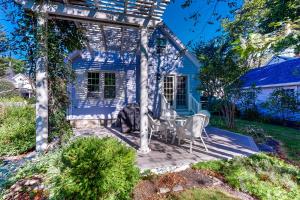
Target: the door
(169, 89)
(175, 91)
(181, 92)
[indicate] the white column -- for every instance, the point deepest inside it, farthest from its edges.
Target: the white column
(144, 92)
(42, 85)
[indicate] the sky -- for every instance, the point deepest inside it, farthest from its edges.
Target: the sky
(176, 18)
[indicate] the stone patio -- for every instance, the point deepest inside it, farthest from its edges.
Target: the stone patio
(165, 157)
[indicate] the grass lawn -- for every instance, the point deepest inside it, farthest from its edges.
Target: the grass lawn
(263, 176)
(200, 194)
(289, 137)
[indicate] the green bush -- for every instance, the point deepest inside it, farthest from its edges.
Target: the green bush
(9, 89)
(263, 176)
(17, 130)
(93, 168)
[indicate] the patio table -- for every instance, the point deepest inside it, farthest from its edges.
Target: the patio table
(173, 122)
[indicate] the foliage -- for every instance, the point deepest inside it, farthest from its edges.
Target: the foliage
(282, 103)
(44, 164)
(214, 165)
(88, 168)
(7, 89)
(12, 99)
(289, 137)
(263, 27)
(63, 37)
(3, 40)
(17, 130)
(94, 168)
(17, 66)
(260, 175)
(202, 193)
(248, 102)
(219, 75)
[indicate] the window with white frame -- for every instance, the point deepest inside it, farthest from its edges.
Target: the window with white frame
(109, 85)
(93, 84)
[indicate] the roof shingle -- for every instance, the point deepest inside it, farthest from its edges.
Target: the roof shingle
(279, 73)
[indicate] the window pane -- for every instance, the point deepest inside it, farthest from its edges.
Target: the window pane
(109, 85)
(93, 84)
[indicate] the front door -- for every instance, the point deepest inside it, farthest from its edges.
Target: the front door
(175, 91)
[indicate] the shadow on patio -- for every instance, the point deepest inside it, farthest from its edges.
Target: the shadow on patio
(171, 157)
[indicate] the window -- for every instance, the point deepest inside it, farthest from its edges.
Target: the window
(93, 84)
(109, 85)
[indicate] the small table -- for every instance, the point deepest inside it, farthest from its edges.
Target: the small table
(173, 123)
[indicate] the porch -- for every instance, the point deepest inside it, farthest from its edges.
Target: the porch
(165, 157)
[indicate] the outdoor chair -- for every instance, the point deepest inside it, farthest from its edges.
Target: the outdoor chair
(192, 128)
(207, 117)
(155, 126)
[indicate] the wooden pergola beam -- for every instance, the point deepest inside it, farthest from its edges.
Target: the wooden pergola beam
(112, 16)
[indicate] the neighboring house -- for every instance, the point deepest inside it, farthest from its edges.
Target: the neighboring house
(280, 72)
(23, 84)
(108, 73)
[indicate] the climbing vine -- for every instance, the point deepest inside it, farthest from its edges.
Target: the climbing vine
(63, 37)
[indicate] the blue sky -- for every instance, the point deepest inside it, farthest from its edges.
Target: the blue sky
(175, 16)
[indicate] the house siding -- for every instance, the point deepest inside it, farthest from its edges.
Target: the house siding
(127, 70)
(265, 93)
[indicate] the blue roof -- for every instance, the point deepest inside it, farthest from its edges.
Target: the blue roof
(279, 73)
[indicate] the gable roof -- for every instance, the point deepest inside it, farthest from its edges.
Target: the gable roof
(279, 73)
(168, 33)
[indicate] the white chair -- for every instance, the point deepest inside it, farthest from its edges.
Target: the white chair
(192, 128)
(156, 126)
(207, 117)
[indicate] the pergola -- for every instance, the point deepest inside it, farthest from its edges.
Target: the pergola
(124, 16)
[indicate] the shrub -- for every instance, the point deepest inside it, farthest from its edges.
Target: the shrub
(7, 89)
(17, 130)
(93, 168)
(263, 176)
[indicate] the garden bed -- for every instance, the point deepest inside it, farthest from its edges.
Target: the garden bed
(187, 184)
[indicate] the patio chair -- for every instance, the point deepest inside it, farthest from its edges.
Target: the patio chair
(207, 117)
(192, 128)
(156, 126)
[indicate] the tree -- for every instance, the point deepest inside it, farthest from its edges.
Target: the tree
(282, 103)
(265, 27)
(3, 40)
(16, 65)
(219, 76)
(248, 102)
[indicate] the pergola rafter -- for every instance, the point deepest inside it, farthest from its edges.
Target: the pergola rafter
(110, 25)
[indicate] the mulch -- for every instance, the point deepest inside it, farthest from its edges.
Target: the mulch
(150, 188)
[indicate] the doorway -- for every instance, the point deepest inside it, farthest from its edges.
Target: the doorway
(175, 91)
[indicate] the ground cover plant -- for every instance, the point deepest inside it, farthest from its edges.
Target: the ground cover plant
(17, 130)
(202, 193)
(289, 137)
(262, 176)
(87, 168)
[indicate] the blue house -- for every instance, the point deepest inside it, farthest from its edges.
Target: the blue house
(108, 74)
(284, 74)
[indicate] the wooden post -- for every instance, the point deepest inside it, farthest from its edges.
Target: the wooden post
(144, 92)
(42, 85)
